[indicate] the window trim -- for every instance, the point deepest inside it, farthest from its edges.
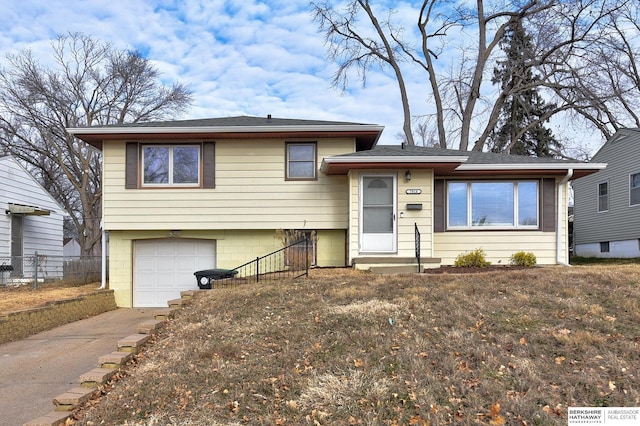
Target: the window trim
(598, 196)
(171, 166)
(516, 227)
(134, 167)
(314, 144)
(630, 188)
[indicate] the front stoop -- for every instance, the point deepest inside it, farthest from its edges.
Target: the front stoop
(394, 269)
(96, 377)
(394, 264)
(133, 343)
(114, 359)
(73, 398)
(55, 418)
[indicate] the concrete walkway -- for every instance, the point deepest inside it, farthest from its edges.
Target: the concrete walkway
(38, 368)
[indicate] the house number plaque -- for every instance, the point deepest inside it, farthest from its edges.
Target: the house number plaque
(414, 191)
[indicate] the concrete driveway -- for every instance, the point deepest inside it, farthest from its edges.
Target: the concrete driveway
(38, 368)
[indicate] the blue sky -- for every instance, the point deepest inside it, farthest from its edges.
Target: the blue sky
(239, 57)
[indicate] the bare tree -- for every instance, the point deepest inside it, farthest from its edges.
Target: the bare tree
(603, 81)
(455, 44)
(351, 47)
(89, 83)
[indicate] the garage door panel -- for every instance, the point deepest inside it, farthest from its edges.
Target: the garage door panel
(163, 268)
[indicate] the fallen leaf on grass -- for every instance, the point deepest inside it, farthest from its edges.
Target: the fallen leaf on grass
(496, 418)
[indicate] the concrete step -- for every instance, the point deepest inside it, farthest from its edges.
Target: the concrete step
(178, 303)
(164, 313)
(189, 294)
(149, 326)
(114, 359)
(394, 269)
(133, 343)
(73, 398)
(55, 418)
(96, 377)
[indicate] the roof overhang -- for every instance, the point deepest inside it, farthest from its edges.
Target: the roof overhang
(342, 165)
(455, 166)
(26, 210)
(578, 169)
(366, 135)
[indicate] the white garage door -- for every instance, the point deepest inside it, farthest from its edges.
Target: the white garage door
(163, 268)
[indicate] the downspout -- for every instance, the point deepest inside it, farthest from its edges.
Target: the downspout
(103, 284)
(560, 227)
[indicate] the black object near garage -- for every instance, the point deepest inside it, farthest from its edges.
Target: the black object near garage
(206, 276)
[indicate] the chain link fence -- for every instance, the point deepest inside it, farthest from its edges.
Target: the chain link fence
(40, 269)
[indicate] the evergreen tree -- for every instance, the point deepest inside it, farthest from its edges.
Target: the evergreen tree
(520, 129)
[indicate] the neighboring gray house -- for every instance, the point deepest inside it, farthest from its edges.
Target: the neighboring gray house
(30, 221)
(607, 203)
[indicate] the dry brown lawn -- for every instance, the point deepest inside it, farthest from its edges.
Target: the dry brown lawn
(342, 347)
(25, 297)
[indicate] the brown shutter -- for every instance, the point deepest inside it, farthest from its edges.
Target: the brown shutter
(438, 206)
(548, 205)
(208, 165)
(131, 166)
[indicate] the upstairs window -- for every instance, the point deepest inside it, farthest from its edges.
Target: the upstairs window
(171, 165)
(301, 161)
(503, 204)
(189, 165)
(603, 197)
(634, 189)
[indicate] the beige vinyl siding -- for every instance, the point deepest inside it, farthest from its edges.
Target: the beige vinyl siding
(497, 245)
(621, 221)
(250, 193)
(407, 219)
(421, 179)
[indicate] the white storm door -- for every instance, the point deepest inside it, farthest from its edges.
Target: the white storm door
(378, 213)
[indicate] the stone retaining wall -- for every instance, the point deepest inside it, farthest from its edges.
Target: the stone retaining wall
(19, 324)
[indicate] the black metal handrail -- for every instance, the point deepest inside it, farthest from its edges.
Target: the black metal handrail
(417, 237)
(291, 262)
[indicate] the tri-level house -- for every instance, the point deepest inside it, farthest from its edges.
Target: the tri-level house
(180, 196)
(607, 204)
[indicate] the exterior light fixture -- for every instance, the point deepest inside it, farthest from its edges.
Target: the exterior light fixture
(407, 175)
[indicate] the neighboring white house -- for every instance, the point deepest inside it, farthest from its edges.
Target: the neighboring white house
(30, 221)
(607, 204)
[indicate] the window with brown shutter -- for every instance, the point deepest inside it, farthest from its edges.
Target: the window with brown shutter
(169, 165)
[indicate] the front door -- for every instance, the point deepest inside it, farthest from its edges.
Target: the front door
(378, 214)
